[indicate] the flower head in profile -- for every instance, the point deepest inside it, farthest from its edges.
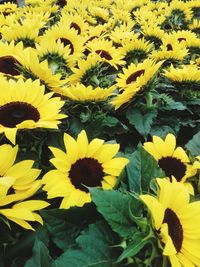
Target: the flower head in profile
(173, 160)
(24, 105)
(18, 182)
(84, 164)
(176, 221)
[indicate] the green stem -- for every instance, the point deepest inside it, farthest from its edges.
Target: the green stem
(165, 262)
(149, 100)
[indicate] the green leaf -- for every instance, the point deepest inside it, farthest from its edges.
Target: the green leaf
(194, 145)
(134, 247)
(93, 249)
(142, 122)
(114, 206)
(40, 257)
(65, 225)
(141, 169)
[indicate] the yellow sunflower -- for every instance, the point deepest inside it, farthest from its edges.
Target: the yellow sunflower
(82, 93)
(107, 52)
(122, 34)
(181, 7)
(56, 54)
(68, 36)
(136, 49)
(32, 68)
(84, 67)
(173, 160)
(171, 50)
(85, 164)
(9, 58)
(186, 73)
(126, 96)
(139, 74)
(176, 221)
(23, 31)
(74, 21)
(24, 105)
(24, 212)
(8, 8)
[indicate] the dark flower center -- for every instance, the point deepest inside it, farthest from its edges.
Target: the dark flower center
(76, 27)
(174, 228)
(133, 77)
(86, 172)
(14, 113)
(169, 47)
(8, 65)
(173, 166)
(61, 3)
(67, 42)
(181, 39)
(104, 54)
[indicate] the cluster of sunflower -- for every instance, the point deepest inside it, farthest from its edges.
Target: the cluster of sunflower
(97, 100)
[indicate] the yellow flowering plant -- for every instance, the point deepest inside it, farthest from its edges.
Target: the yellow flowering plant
(99, 133)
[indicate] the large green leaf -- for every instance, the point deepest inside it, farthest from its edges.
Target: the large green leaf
(40, 256)
(141, 170)
(65, 225)
(194, 145)
(142, 122)
(115, 207)
(93, 249)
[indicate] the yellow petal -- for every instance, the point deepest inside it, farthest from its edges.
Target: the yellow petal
(10, 134)
(32, 205)
(22, 223)
(156, 209)
(82, 142)
(107, 152)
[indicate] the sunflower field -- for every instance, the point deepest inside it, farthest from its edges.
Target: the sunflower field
(100, 133)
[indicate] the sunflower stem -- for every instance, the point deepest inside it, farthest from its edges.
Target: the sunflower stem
(149, 100)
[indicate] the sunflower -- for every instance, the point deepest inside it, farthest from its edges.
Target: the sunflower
(122, 34)
(9, 58)
(58, 56)
(8, 8)
(85, 68)
(171, 51)
(152, 33)
(139, 74)
(176, 221)
(68, 36)
(107, 52)
(32, 68)
(24, 212)
(195, 26)
(173, 160)
(185, 73)
(178, 7)
(85, 164)
(74, 21)
(20, 177)
(82, 93)
(136, 49)
(126, 96)
(22, 31)
(24, 105)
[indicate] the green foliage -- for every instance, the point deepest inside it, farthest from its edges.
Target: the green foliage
(141, 121)
(65, 225)
(93, 249)
(194, 145)
(40, 257)
(115, 208)
(141, 170)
